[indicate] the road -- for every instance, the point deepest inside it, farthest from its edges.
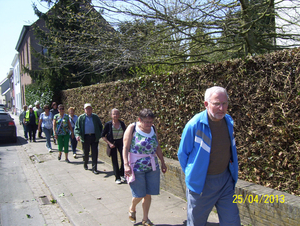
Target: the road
(24, 199)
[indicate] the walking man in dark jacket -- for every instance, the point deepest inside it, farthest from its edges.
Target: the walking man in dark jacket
(88, 129)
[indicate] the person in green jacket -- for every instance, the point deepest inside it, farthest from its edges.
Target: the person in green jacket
(88, 129)
(31, 120)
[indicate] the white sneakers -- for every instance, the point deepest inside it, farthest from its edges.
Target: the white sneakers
(120, 181)
(123, 179)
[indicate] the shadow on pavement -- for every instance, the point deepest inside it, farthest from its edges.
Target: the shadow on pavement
(20, 141)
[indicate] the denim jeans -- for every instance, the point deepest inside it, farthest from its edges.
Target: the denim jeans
(73, 144)
(25, 131)
(48, 133)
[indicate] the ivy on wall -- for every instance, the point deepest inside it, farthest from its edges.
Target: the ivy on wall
(264, 103)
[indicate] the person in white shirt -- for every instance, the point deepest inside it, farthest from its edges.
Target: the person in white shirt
(46, 125)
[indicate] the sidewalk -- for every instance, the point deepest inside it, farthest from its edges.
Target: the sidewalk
(89, 199)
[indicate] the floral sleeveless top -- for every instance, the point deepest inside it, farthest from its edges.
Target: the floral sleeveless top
(62, 124)
(144, 143)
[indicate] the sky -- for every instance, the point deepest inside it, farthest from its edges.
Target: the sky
(14, 14)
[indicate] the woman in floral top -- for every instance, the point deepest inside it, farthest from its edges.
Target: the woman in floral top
(62, 128)
(140, 152)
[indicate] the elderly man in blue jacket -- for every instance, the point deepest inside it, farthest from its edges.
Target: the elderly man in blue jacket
(208, 157)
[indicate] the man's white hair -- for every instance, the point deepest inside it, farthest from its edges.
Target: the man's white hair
(114, 109)
(215, 89)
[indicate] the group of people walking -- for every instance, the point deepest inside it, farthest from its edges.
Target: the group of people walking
(207, 154)
(53, 123)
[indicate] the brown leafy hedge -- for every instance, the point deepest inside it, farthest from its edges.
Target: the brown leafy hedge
(264, 102)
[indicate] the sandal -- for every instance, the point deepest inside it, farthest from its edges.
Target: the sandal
(132, 216)
(147, 223)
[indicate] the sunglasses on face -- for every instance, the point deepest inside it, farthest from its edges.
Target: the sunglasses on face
(61, 109)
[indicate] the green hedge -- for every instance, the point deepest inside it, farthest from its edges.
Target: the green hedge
(264, 102)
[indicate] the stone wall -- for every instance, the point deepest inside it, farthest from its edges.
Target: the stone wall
(258, 205)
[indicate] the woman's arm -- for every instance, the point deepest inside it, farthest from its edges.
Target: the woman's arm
(39, 126)
(126, 146)
(104, 134)
(54, 128)
(160, 155)
(109, 143)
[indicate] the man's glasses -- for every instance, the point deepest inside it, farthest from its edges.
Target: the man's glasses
(61, 109)
(218, 104)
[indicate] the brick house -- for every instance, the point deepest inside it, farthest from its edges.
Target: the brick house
(26, 44)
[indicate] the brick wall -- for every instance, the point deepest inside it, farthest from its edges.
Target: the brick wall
(258, 205)
(271, 207)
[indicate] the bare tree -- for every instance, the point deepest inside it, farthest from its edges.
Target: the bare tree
(180, 32)
(242, 26)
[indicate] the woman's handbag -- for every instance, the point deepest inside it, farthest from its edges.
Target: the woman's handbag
(108, 150)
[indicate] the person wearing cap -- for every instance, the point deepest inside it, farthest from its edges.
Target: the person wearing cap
(31, 120)
(88, 129)
(39, 111)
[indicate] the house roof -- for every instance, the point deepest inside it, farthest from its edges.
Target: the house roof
(22, 36)
(6, 91)
(4, 80)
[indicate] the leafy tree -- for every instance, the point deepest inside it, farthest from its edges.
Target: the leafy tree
(69, 59)
(42, 93)
(156, 32)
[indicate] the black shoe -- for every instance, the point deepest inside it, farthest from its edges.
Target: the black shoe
(96, 172)
(85, 167)
(59, 157)
(34, 140)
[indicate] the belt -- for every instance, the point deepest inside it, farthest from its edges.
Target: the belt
(89, 134)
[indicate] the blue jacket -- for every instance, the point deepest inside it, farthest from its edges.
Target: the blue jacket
(194, 151)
